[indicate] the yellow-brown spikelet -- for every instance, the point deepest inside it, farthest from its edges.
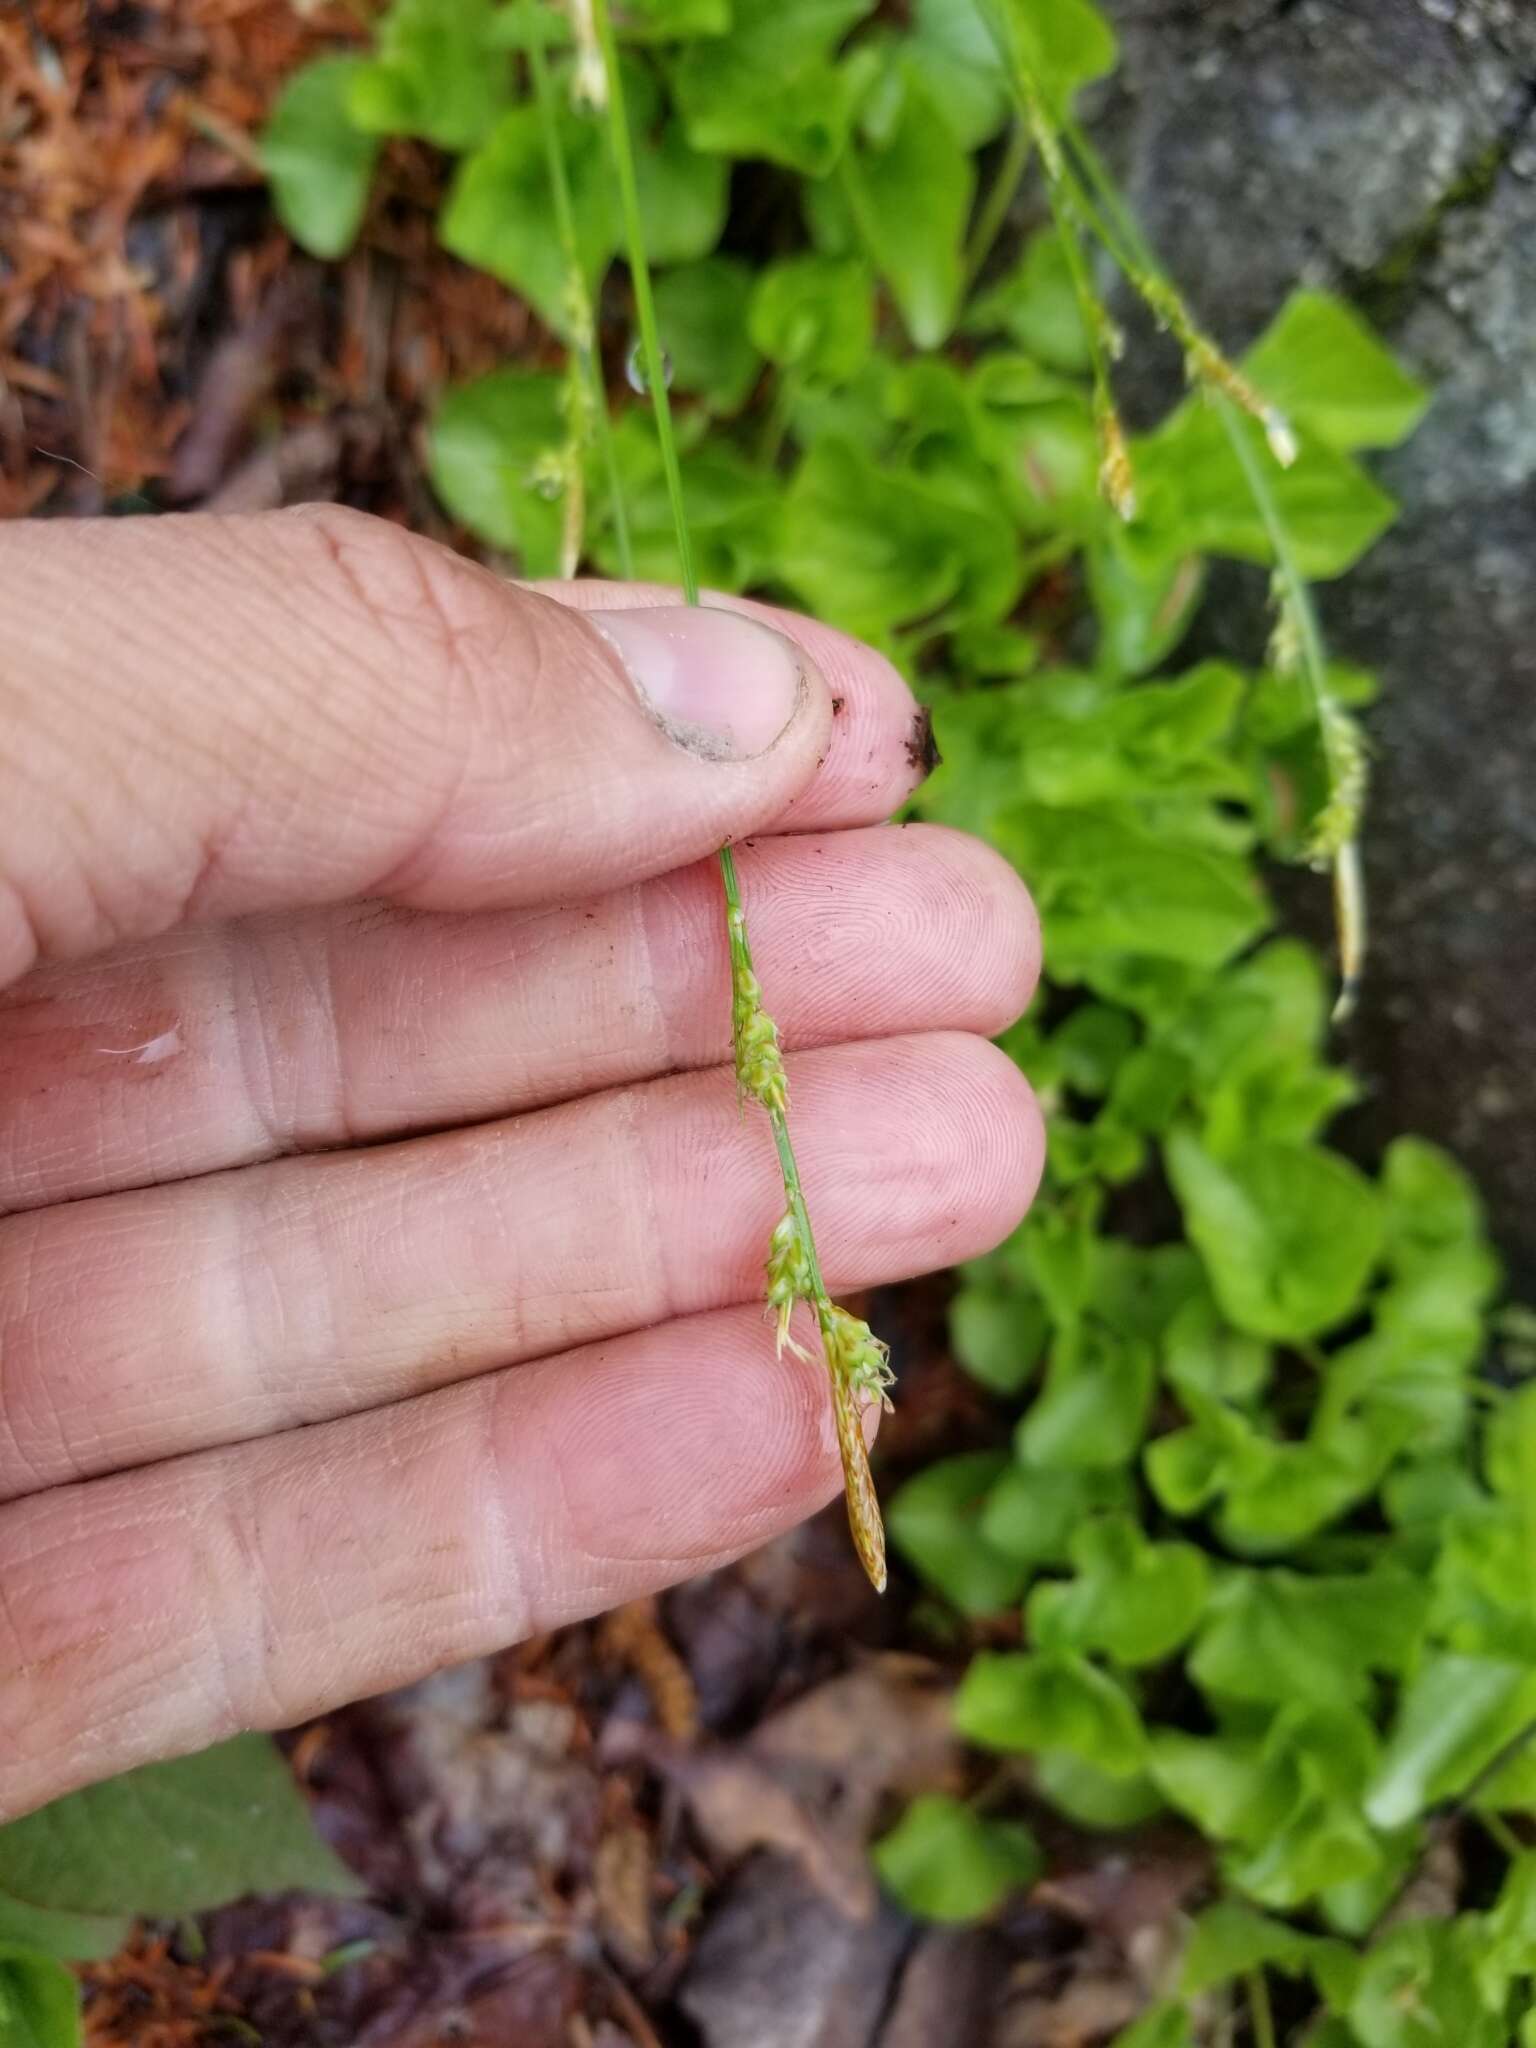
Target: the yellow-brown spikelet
(861, 1374)
(858, 1484)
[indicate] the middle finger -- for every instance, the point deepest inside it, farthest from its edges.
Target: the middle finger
(220, 1047)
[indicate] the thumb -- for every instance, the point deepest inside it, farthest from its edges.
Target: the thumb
(206, 717)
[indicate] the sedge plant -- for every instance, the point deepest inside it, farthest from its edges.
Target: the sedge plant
(1251, 1524)
(857, 1362)
(1082, 197)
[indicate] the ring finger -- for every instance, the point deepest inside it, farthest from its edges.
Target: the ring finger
(139, 1326)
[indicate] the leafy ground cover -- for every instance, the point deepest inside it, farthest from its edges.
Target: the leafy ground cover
(1224, 1539)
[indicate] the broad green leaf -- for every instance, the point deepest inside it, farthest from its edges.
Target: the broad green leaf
(1032, 1511)
(950, 40)
(1509, 1454)
(499, 211)
(172, 1838)
(1188, 1468)
(1138, 1290)
(1454, 1716)
(998, 1337)
(1325, 1848)
(1131, 1599)
(733, 510)
(1195, 497)
(1509, 1945)
(1035, 305)
(1219, 1781)
(1202, 1354)
(1287, 1804)
(1065, 44)
(769, 87)
(1328, 373)
(911, 197)
(1010, 1700)
(1229, 1939)
(665, 21)
(1168, 2024)
(935, 1521)
(1105, 883)
(701, 309)
(869, 547)
(1279, 1493)
(814, 315)
(1281, 706)
(1273, 1004)
(1036, 431)
(485, 452)
(944, 1862)
(70, 1937)
(1094, 1798)
(683, 196)
(437, 71)
(1160, 735)
(1143, 608)
(1431, 1202)
(1063, 1255)
(1422, 1496)
(1092, 1409)
(1485, 1582)
(39, 2001)
(1408, 1379)
(1289, 1235)
(1417, 1989)
(983, 650)
(1088, 1050)
(320, 165)
(1274, 1635)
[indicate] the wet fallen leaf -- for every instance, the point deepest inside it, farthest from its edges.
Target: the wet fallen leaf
(622, 1875)
(777, 1967)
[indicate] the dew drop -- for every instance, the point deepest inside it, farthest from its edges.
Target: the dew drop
(634, 369)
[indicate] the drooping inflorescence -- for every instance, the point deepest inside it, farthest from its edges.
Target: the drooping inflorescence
(856, 1361)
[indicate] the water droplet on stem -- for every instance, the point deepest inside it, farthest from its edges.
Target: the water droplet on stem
(634, 370)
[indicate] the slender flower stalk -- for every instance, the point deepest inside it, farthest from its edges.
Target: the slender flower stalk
(856, 1360)
(994, 208)
(1116, 483)
(587, 399)
(1334, 841)
(1083, 195)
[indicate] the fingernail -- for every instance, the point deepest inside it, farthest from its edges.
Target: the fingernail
(718, 684)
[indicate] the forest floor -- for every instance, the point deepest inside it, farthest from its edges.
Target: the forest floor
(650, 1829)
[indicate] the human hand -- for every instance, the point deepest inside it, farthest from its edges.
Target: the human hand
(381, 1253)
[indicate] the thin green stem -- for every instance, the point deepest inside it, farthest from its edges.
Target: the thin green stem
(1259, 2010)
(858, 204)
(857, 1364)
(741, 954)
(1341, 750)
(652, 359)
(1081, 190)
(1498, 1829)
(1067, 204)
(994, 208)
(1121, 221)
(583, 319)
(776, 425)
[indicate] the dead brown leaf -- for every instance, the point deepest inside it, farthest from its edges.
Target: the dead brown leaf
(739, 1805)
(622, 1876)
